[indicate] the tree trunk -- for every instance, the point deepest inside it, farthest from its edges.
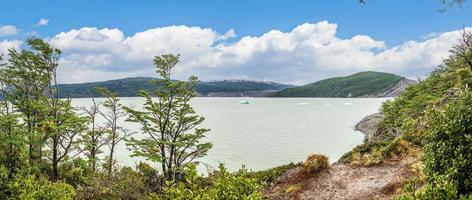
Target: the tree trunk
(110, 160)
(31, 142)
(113, 143)
(94, 140)
(112, 149)
(54, 159)
(93, 157)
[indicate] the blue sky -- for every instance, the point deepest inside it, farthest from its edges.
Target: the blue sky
(394, 23)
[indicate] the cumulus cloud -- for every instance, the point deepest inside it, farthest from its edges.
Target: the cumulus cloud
(8, 30)
(7, 44)
(229, 34)
(42, 22)
(307, 53)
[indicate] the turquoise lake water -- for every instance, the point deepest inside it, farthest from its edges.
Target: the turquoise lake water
(269, 132)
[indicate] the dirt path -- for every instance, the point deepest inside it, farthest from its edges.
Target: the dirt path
(343, 181)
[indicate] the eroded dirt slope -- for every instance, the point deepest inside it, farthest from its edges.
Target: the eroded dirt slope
(344, 181)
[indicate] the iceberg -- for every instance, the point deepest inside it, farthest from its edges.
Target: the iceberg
(244, 102)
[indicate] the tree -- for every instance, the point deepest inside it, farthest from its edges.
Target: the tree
(452, 3)
(25, 76)
(12, 139)
(31, 79)
(64, 130)
(446, 3)
(463, 50)
(169, 122)
(112, 115)
(95, 138)
(61, 124)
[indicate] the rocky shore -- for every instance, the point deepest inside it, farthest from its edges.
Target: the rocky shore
(344, 180)
(368, 125)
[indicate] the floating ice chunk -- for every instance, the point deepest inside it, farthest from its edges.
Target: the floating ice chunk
(244, 102)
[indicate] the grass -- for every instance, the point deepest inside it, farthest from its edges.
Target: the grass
(315, 163)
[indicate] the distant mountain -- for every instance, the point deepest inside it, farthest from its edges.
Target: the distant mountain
(362, 84)
(129, 87)
(239, 88)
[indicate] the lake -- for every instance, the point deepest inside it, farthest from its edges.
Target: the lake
(270, 131)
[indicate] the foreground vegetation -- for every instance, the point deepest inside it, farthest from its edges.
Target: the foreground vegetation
(431, 120)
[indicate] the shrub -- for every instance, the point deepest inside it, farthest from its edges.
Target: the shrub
(448, 150)
(129, 184)
(3, 182)
(269, 176)
(28, 187)
(315, 163)
(75, 172)
(56, 191)
(221, 184)
(126, 183)
(150, 175)
(98, 187)
(440, 187)
(235, 186)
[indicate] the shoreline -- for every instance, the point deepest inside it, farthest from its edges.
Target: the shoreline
(368, 125)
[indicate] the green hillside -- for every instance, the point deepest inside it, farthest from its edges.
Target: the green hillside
(129, 87)
(360, 84)
(238, 86)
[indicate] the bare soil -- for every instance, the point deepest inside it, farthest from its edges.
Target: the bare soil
(345, 181)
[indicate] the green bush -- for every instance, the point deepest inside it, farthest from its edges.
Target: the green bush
(3, 182)
(151, 177)
(235, 186)
(75, 172)
(129, 184)
(28, 187)
(221, 184)
(98, 187)
(269, 176)
(448, 149)
(439, 187)
(126, 183)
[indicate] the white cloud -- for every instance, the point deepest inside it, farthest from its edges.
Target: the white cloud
(307, 53)
(42, 22)
(229, 34)
(7, 44)
(89, 40)
(8, 30)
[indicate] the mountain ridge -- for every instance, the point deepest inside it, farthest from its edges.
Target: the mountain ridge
(129, 87)
(361, 84)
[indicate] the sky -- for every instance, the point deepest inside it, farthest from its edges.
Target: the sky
(296, 42)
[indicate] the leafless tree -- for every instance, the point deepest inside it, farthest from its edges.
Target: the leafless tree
(95, 138)
(113, 112)
(463, 50)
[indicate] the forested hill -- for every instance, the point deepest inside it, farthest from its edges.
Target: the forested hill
(362, 84)
(129, 87)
